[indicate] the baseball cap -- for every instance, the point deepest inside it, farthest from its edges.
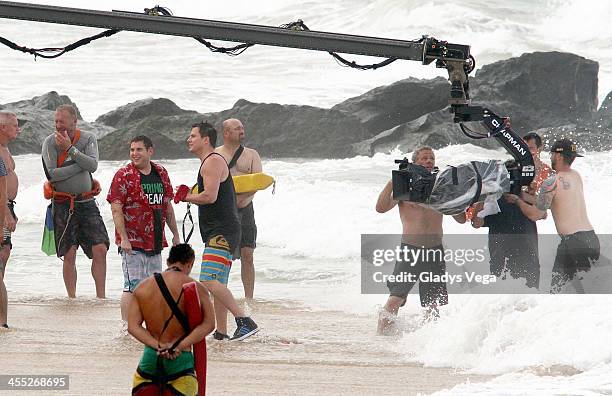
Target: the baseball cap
(565, 147)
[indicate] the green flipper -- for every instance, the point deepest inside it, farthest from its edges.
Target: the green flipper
(48, 241)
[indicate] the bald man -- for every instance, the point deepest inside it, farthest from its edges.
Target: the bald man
(247, 161)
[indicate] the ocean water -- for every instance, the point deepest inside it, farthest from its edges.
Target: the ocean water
(308, 260)
(309, 230)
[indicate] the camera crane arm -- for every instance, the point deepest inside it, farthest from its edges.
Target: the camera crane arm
(455, 58)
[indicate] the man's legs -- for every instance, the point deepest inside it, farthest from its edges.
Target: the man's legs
(388, 315)
(220, 316)
(98, 268)
(247, 271)
(248, 242)
(5, 252)
(70, 272)
(224, 297)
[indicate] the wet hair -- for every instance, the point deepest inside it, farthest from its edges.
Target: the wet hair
(418, 151)
(207, 130)
(181, 254)
(148, 143)
(68, 109)
(534, 136)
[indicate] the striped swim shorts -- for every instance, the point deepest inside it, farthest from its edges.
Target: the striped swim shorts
(216, 260)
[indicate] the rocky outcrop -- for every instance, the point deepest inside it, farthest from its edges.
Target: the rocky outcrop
(274, 130)
(36, 119)
(386, 107)
(553, 93)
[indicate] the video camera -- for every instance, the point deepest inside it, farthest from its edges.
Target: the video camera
(412, 182)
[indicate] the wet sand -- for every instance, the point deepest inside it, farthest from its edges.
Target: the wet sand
(83, 339)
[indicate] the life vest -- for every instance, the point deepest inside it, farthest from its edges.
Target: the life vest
(59, 196)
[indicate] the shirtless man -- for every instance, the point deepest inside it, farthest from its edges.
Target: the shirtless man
(422, 230)
(9, 129)
(164, 337)
(248, 162)
(563, 194)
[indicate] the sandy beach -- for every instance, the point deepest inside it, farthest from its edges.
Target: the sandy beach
(83, 339)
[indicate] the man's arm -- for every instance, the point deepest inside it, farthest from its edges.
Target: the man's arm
(211, 173)
(543, 201)
(119, 220)
(87, 160)
(171, 221)
(385, 200)
(3, 201)
(244, 199)
(135, 328)
(207, 325)
(49, 155)
(460, 218)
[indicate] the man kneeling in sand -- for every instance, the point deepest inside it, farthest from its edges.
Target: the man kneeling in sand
(167, 362)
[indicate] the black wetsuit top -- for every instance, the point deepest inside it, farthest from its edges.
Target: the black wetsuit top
(221, 216)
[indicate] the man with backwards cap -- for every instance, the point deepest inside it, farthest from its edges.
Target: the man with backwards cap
(563, 194)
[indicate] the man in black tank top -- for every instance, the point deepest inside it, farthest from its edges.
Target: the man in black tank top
(219, 228)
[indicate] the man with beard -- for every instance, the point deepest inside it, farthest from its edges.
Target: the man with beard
(242, 161)
(563, 194)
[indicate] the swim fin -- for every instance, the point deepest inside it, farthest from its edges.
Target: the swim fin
(48, 241)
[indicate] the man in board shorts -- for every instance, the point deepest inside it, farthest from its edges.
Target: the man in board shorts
(141, 201)
(70, 156)
(242, 161)
(219, 228)
(563, 194)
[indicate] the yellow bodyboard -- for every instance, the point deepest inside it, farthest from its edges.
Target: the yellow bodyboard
(252, 182)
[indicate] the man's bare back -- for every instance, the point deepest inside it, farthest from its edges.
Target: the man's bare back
(564, 194)
(155, 311)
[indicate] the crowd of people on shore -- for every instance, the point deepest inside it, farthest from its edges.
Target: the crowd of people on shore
(141, 196)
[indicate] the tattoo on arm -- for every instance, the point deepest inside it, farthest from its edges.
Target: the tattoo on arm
(546, 193)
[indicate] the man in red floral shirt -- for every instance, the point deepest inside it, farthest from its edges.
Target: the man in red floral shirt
(140, 197)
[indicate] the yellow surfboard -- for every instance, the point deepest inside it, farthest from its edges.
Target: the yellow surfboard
(252, 182)
(247, 183)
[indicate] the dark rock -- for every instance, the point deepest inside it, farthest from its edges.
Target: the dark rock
(388, 106)
(136, 111)
(272, 129)
(555, 93)
(36, 119)
(539, 89)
